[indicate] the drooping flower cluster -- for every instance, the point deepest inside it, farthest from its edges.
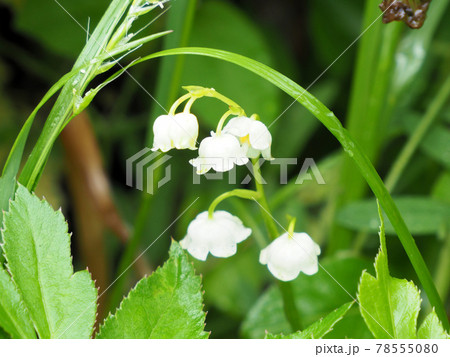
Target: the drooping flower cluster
(242, 138)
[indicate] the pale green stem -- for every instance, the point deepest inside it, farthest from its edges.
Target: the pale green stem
(382, 234)
(291, 227)
(250, 221)
(268, 220)
(241, 193)
(178, 102)
(222, 121)
(442, 275)
(214, 94)
(188, 106)
(286, 288)
(409, 149)
(416, 138)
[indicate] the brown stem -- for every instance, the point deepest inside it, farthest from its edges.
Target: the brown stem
(94, 208)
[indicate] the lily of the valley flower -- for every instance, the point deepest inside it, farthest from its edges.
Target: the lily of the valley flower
(219, 152)
(287, 256)
(218, 235)
(253, 134)
(179, 131)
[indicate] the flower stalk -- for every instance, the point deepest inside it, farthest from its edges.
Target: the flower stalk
(265, 210)
(291, 227)
(200, 92)
(241, 193)
(178, 102)
(290, 308)
(222, 121)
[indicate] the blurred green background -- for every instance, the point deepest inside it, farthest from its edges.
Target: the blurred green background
(39, 42)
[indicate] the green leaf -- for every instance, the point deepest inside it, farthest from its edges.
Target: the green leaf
(389, 306)
(14, 318)
(431, 328)
(7, 187)
(351, 326)
(413, 52)
(167, 304)
(311, 297)
(3, 334)
(319, 328)
(435, 142)
(351, 147)
(61, 304)
(64, 105)
(422, 215)
(330, 34)
(441, 189)
(267, 314)
(234, 284)
(55, 28)
(12, 165)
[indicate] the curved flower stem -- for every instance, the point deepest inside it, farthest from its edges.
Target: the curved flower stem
(236, 108)
(286, 288)
(187, 107)
(242, 193)
(268, 219)
(290, 309)
(200, 92)
(178, 102)
(291, 227)
(222, 121)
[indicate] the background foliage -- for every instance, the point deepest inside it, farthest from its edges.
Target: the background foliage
(39, 42)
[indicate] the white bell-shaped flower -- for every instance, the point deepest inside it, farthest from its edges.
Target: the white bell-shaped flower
(218, 235)
(287, 256)
(179, 131)
(253, 134)
(219, 152)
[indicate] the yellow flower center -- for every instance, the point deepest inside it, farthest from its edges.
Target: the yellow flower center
(245, 139)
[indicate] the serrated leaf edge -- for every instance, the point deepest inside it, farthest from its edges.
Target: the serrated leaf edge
(58, 214)
(112, 316)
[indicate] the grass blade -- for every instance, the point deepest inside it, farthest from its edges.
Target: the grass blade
(64, 104)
